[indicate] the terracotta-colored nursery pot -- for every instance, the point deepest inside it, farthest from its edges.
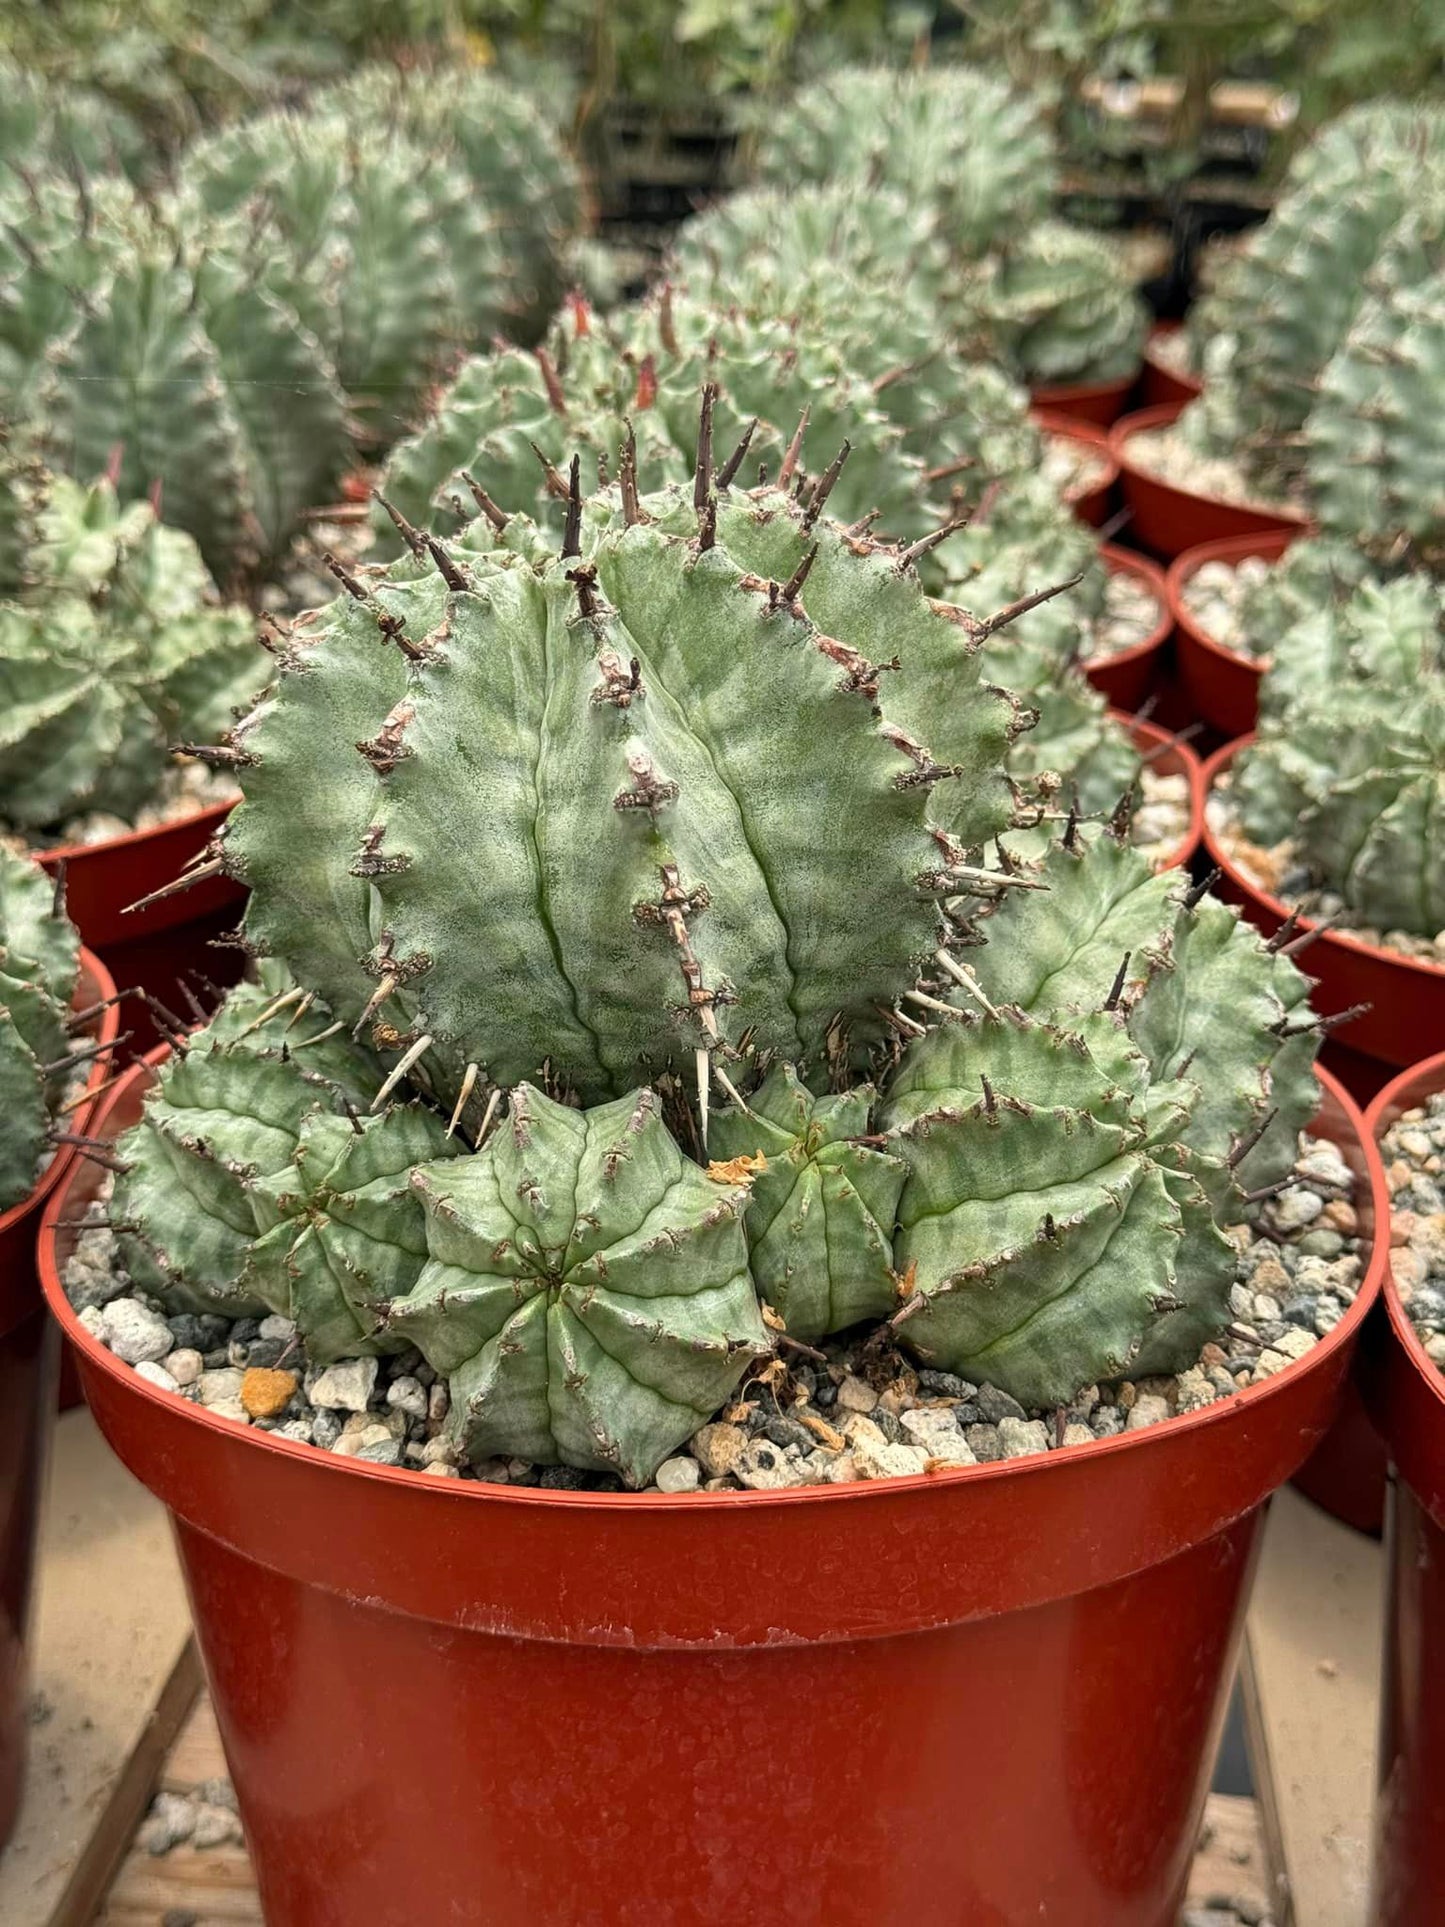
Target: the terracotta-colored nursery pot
(1125, 678)
(1406, 1018)
(1406, 1395)
(1221, 685)
(1095, 403)
(1167, 519)
(1092, 504)
(154, 948)
(1160, 385)
(883, 1702)
(28, 1353)
(1171, 758)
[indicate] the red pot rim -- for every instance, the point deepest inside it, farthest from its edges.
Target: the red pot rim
(71, 854)
(1069, 428)
(1269, 545)
(1180, 760)
(1127, 562)
(1412, 1415)
(858, 1492)
(1139, 422)
(1059, 394)
(1416, 967)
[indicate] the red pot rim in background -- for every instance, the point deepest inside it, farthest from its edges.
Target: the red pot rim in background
(1222, 683)
(1162, 386)
(103, 878)
(18, 1296)
(507, 1560)
(1406, 994)
(1095, 403)
(1404, 1388)
(1176, 759)
(1091, 505)
(1125, 676)
(1169, 519)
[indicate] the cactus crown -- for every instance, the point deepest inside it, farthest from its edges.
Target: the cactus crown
(658, 808)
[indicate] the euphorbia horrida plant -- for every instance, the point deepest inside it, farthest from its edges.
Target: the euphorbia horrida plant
(662, 872)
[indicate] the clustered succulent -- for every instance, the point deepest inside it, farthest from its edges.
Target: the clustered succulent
(39, 969)
(113, 645)
(663, 873)
(1349, 762)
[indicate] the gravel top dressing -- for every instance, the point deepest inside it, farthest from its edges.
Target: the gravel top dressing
(1281, 872)
(809, 1416)
(1130, 615)
(1215, 596)
(1167, 453)
(1414, 1152)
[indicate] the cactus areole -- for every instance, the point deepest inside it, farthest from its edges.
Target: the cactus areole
(646, 985)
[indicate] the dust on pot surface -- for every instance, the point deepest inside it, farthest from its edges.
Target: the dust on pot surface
(28, 1352)
(1169, 519)
(1025, 1598)
(1221, 683)
(1124, 675)
(1405, 1389)
(1396, 1001)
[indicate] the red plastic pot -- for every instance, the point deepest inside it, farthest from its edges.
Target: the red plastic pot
(1167, 519)
(1172, 758)
(1406, 1396)
(1222, 685)
(1092, 504)
(1406, 1018)
(1162, 386)
(883, 1705)
(28, 1354)
(155, 948)
(1125, 678)
(1095, 403)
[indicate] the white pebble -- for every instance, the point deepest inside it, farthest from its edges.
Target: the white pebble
(220, 1387)
(134, 1332)
(1020, 1437)
(1296, 1208)
(856, 1396)
(406, 1394)
(346, 1386)
(1148, 1409)
(184, 1365)
(679, 1475)
(156, 1375)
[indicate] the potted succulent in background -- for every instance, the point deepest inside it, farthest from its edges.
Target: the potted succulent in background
(114, 645)
(1405, 1389)
(1324, 819)
(1296, 328)
(58, 1026)
(1228, 604)
(603, 878)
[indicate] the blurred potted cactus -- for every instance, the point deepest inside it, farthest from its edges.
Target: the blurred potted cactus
(676, 1018)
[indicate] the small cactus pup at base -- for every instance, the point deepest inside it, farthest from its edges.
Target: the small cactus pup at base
(587, 1293)
(39, 968)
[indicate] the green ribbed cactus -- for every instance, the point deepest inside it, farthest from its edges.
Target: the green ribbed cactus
(647, 832)
(1290, 298)
(39, 966)
(1054, 304)
(116, 649)
(1349, 761)
(121, 331)
(975, 153)
(1374, 472)
(522, 180)
(46, 123)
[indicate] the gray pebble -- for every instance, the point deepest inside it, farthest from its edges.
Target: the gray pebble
(1020, 1437)
(383, 1452)
(346, 1386)
(406, 1394)
(134, 1332)
(984, 1443)
(220, 1386)
(996, 1405)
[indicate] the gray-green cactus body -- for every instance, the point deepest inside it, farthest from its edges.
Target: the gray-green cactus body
(39, 967)
(975, 151)
(220, 1127)
(587, 1292)
(1041, 1240)
(821, 1212)
(597, 758)
(1054, 304)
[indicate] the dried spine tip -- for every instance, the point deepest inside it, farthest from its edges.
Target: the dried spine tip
(572, 530)
(555, 484)
(399, 1071)
(926, 544)
(412, 537)
(627, 479)
(211, 868)
(735, 461)
(702, 470)
(344, 576)
(484, 502)
(795, 450)
(469, 1079)
(1014, 610)
(823, 488)
(792, 588)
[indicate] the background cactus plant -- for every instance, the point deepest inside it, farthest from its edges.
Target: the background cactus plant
(116, 648)
(39, 968)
